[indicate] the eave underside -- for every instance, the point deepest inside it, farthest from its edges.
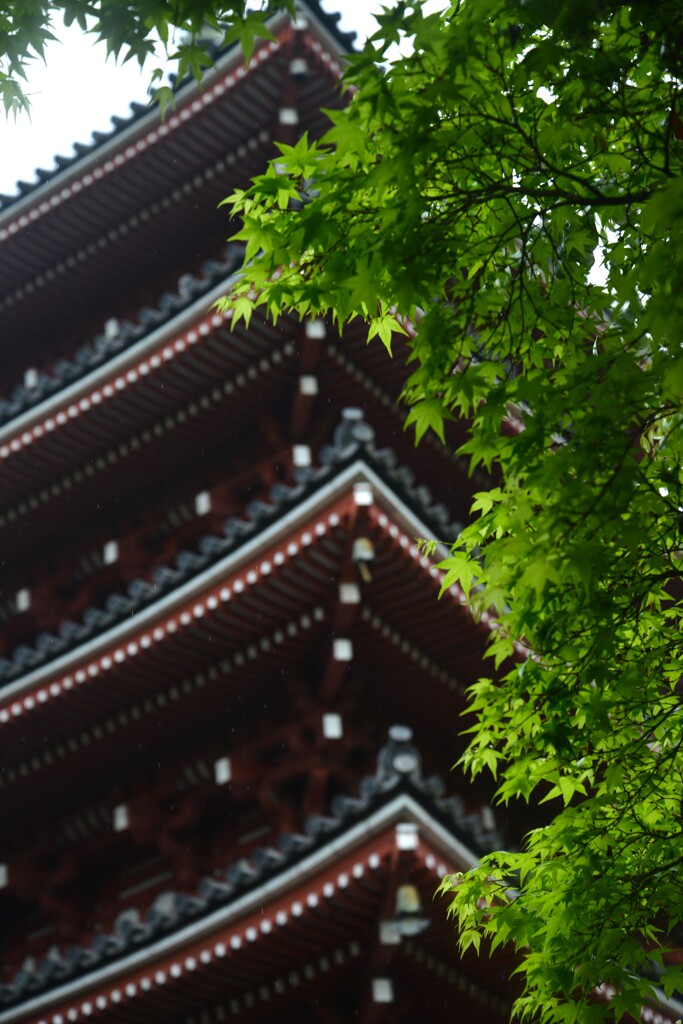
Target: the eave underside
(310, 946)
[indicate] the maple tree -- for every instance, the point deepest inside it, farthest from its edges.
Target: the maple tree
(513, 187)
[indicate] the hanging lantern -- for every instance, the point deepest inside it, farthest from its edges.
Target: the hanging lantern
(362, 555)
(410, 919)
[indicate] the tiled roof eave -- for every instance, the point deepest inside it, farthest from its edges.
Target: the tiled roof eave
(396, 807)
(119, 364)
(323, 496)
(145, 121)
(120, 139)
(338, 44)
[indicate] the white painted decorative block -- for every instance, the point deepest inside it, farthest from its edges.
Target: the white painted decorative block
(315, 329)
(333, 727)
(349, 593)
(110, 552)
(301, 455)
(222, 770)
(407, 835)
(342, 649)
(121, 818)
(362, 493)
(382, 990)
(202, 503)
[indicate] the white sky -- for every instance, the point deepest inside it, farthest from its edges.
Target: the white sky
(78, 90)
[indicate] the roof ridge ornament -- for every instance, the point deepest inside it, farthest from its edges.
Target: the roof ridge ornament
(399, 758)
(353, 429)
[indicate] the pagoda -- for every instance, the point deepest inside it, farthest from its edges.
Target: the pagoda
(228, 690)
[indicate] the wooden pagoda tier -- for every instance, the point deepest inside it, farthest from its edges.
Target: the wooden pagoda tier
(113, 225)
(315, 927)
(347, 474)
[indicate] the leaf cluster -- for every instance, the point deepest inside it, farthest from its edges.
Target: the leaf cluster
(189, 32)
